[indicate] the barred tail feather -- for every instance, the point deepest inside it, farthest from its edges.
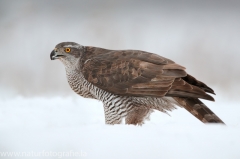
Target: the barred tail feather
(199, 110)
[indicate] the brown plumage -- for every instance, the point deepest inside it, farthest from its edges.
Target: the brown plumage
(139, 73)
(133, 73)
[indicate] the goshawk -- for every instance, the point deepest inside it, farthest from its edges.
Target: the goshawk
(132, 84)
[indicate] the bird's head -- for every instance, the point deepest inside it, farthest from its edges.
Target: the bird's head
(67, 52)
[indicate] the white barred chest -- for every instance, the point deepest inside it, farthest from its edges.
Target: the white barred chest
(79, 84)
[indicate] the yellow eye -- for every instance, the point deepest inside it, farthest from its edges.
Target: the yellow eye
(67, 49)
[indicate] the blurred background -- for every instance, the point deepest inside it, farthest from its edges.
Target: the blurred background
(203, 36)
(39, 111)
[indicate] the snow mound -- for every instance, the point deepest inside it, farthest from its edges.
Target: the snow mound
(74, 128)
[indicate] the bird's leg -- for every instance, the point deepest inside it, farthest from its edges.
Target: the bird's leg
(111, 117)
(113, 122)
(137, 115)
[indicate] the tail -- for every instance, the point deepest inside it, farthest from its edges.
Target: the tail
(199, 110)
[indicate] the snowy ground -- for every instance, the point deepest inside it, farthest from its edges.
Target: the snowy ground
(73, 127)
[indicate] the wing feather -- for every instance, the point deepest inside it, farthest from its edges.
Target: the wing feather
(139, 73)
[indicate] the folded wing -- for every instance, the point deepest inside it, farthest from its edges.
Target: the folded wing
(139, 73)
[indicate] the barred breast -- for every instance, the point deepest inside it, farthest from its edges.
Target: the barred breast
(135, 110)
(78, 84)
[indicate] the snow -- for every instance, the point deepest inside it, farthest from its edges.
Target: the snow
(63, 127)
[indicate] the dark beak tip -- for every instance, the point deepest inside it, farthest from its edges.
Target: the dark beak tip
(52, 54)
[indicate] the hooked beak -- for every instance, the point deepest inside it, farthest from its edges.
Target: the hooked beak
(55, 55)
(52, 55)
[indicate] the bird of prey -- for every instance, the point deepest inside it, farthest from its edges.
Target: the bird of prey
(132, 84)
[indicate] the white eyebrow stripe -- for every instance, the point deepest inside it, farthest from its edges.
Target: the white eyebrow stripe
(73, 46)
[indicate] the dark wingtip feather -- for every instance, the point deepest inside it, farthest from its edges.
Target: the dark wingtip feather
(208, 97)
(193, 81)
